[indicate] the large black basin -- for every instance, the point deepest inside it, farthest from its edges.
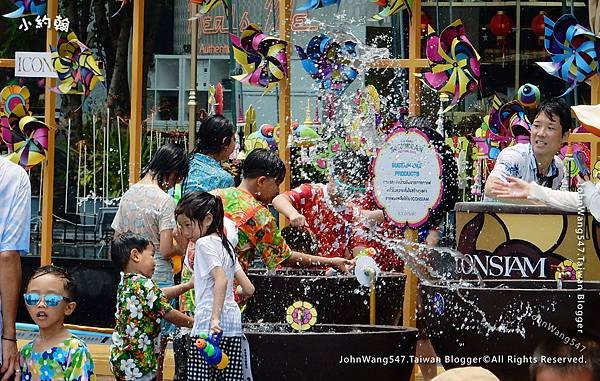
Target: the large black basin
(457, 329)
(338, 299)
(331, 352)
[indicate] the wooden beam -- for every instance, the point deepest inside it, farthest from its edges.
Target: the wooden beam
(595, 82)
(285, 33)
(50, 120)
(414, 54)
(135, 122)
(7, 62)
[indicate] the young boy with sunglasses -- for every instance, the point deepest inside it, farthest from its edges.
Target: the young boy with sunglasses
(55, 354)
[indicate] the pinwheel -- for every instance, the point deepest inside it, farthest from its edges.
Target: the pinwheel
(215, 99)
(28, 7)
(508, 122)
(575, 157)
(301, 315)
(573, 50)
(329, 62)
(316, 4)
(391, 7)
(454, 64)
(263, 58)
(25, 136)
(207, 5)
(11, 96)
(76, 67)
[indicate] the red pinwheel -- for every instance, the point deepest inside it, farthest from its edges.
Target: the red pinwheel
(573, 50)
(263, 58)
(28, 7)
(25, 136)
(329, 62)
(453, 62)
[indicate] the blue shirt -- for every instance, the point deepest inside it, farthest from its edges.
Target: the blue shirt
(206, 174)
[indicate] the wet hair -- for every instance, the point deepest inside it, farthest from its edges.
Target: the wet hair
(554, 107)
(167, 160)
(121, 246)
(262, 162)
(59, 272)
(214, 135)
(574, 346)
(196, 205)
(350, 167)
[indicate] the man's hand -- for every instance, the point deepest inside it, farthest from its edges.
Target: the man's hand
(513, 188)
(10, 360)
(343, 265)
(297, 220)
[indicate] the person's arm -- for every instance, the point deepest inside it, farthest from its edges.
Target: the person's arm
(245, 288)
(219, 290)
(517, 189)
(179, 318)
(10, 285)
(591, 198)
(376, 216)
(284, 205)
(174, 291)
(490, 183)
(166, 224)
(305, 260)
(508, 164)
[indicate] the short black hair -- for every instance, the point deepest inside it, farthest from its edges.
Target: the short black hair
(167, 160)
(214, 135)
(121, 246)
(262, 162)
(58, 272)
(350, 167)
(556, 107)
(572, 346)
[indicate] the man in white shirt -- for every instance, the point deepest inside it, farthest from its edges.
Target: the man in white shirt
(15, 215)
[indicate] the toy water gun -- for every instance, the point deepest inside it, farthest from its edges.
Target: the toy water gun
(208, 346)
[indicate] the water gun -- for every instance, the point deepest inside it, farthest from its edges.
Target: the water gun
(208, 346)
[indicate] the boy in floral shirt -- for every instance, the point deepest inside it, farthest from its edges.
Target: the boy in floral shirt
(141, 306)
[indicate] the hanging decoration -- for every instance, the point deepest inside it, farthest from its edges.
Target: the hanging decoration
(391, 7)
(76, 67)
(529, 95)
(573, 50)
(538, 26)
(11, 96)
(501, 25)
(25, 136)
(329, 62)
(263, 58)
(454, 64)
(301, 315)
(316, 4)
(267, 137)
(27, 7)
(207, 5)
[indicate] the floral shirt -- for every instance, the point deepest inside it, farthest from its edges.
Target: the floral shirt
(70, 360)
(206, 174)
(257, 229)
(141, 306)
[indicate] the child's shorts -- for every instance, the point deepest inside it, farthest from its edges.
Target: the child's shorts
(198, 368)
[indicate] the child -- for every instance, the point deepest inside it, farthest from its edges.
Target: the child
(200, 218)
(141, 306)
(55, 354)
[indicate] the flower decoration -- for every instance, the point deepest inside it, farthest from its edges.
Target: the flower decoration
(263, 58)
(453, 62)
(566, 270)
(329, 62)
(301, 315)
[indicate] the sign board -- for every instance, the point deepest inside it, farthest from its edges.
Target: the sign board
(34, 64)
(407, 177)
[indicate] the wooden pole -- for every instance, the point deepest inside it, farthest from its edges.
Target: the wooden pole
(414, 54)
(50, 120)
(285, 33)
(135, 122)
(7, 62)
(409, 307)
(193, 72)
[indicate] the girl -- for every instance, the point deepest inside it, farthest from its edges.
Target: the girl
(200, 219)
(55, 354)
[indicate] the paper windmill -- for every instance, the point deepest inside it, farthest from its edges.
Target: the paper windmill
(316, 4)
(301, 316)
(28, 7)
(25, 136)
(11, 96)
(580, 159)
(508, 122)
(453, 62)
(77, 69)
(329, 62)
(391, 7)
(573, 50)
(215, 99)
(207, 5)
(262, 58)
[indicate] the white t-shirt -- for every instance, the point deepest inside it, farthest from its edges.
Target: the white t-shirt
(211, 253)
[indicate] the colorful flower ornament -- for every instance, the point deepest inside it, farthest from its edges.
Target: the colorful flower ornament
(566, 270)
(28, 7)
(573, 50)
(454, 64)
(438, 303)
(25, 136)
(11, 96)
(207, 5)
(391, 7)
(263, 58)
(329, 62)
(316, 4)
(76, 67)
(301, 315)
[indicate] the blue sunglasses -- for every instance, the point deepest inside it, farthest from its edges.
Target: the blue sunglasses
(51, 300)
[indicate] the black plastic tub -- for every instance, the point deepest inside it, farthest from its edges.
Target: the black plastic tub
(338, 299)
(331, 352)
(460, 336)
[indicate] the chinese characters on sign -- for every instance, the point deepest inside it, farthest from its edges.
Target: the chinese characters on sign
(60, 23)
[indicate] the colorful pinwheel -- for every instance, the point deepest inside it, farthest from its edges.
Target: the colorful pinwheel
(28, 7)
(453, 62)
(263, 58)
(11, 96)
(329, 62)
(207, 5)
(316, 4)
(25, 136)
(508, 122)
(391, 7)
(301, 315)
(76, 67)
(573, 50)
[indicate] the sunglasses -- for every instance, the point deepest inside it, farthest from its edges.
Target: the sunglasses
(51, 300)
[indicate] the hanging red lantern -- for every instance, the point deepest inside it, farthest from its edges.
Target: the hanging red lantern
(538, 26)
(501, 25)
(425, 22)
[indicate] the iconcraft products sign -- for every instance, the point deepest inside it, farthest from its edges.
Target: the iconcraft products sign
(407, 177)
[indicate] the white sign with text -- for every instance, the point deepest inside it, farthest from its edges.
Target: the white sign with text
(34, 64)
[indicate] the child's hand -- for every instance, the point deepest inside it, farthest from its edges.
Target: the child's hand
(298, 220)
(215, 325)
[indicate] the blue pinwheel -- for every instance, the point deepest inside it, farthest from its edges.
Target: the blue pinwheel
(329, 62)
(574, 51)
(316, 4)
(28, 7)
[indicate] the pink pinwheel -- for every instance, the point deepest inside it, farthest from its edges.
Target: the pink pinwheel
(25, 136)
